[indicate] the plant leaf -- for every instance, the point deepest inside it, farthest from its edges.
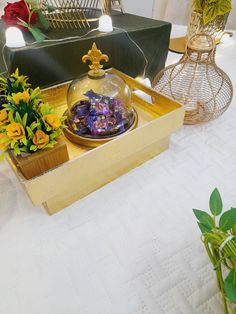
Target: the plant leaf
(34, 125)
(54, 135)
(204, 218)
(16, 150)
(38, 35)
(197, 5)
(204, 228)
(230, 286)
(24, 141)
(224, 6)
(4, 140)
(12, 144)
(51, 8)
(18, 118)
(33, 3)
(43, 20)
(215, 202)
(35, 93)
(23, 23)
(33, 148)
(24, 120)
(10, 116)
(30, 132)
(51, 144)
(227, 220)
(210, 12)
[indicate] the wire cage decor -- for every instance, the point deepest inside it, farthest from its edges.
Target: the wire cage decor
(214, 28)
(197, 82)
(74, 14)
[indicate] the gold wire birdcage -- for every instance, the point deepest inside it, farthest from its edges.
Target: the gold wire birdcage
(76, 13)
(197, 82)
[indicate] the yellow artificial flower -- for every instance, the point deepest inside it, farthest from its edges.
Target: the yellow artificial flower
(52, 120)
(3, 116)
(40, 139)
(3, 146)
(21, 96)
(15, 131)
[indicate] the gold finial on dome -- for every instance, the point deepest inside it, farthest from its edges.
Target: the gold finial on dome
(95, 56)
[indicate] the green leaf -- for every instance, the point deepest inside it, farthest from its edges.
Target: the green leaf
(43, 20)
(224, 6)
(230, 286)
(198, 5)
(33, 3)
(215, 203)
(13, 143)
(24, 120)
(16, 150)
(227, 220)
(10, 117)
(210, 12)
(38, 35)
(54, 135)
(24, 141)
(23, 23)
(51, 144)
(204, 218)
(204, 228)
(33, 148)
(234, 230)
(18, 118)
(35, 93)
(34, 125)
(51, 8)
(4, 140)
(30, 132)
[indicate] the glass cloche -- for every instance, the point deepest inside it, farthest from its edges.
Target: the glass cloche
(99, 102)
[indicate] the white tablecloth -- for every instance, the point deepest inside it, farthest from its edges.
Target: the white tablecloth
(132, 247)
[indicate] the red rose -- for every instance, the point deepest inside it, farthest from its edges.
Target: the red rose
(13, 11)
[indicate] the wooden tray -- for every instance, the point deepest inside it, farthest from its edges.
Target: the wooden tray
(90, 168)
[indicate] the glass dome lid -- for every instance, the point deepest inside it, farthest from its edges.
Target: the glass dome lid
(99, 102)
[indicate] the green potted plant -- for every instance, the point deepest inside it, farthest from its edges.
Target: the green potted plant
(29, 127)
(209, 16)
(219, 238)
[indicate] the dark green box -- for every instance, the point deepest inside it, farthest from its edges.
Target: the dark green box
(51, 63)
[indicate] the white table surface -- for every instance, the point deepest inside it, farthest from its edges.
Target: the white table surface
(132, 247)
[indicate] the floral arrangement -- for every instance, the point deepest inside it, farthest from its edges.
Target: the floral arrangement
(26, 16)
(219, 238)
(27, 124)
(212, 8)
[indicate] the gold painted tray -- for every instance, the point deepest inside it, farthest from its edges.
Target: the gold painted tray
(90, 168)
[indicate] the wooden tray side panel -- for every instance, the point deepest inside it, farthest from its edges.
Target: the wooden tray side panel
(102, 158)
(95, 180)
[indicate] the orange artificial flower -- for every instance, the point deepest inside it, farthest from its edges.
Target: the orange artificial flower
(52, 120)
(15, 131)
(3, 116)
(40, 139)
(3, 146)
(21, 96)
